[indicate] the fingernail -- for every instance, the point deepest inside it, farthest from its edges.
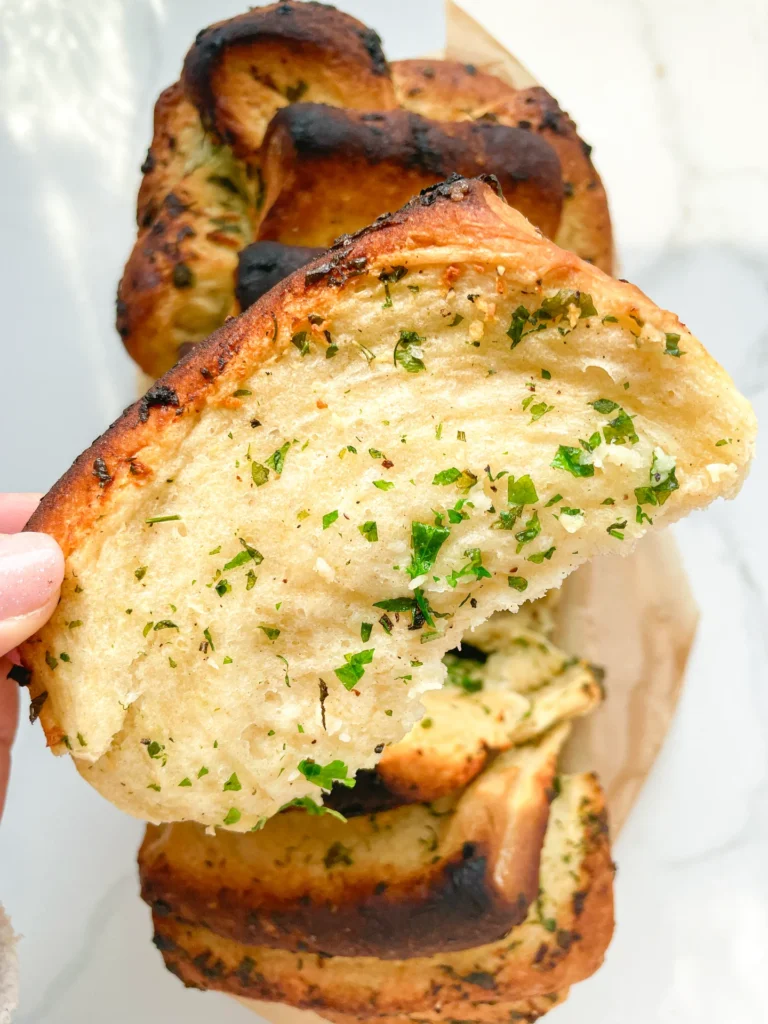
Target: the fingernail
(31, 571)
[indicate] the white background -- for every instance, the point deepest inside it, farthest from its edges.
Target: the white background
(673, 95)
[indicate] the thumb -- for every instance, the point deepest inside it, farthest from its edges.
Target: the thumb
(31, 571)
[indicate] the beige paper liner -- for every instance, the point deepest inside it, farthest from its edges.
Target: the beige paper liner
(614, 612)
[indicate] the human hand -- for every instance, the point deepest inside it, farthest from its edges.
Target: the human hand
(31, 571)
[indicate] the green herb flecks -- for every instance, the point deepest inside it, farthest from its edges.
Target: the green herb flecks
(663, 480)
(617, 529)
(518, 583)
(232, 785)
(324, 775)
(465, 673)
(270, 632)
(276, 460)
(301, 342)
(531, 532)
(521, 491)
(539, 556)
(426, 541)
(349, 675)
(474, 569)
(330, 518)
(408, 352)
(307, 804)
(672, 347)
(391, 277)
(370, 531)
(248, 554)
(574, 460)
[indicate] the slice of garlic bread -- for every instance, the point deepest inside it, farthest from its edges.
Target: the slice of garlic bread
(562, 941)
(268, 556)
(415, 880)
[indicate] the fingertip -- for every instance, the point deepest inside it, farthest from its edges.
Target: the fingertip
(31, 572)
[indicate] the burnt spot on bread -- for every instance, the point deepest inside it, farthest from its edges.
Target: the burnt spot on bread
(300, 26)
(372, 43)
(262, 265)
(174, 205)
(158, 395)
(19, 675)
(164, 943)
(36, 706)
(369, 795)
(101, 472)
(182, 276)
(149, 163)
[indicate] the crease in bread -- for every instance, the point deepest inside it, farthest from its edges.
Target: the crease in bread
(561, 941)
(268, 556)
(293, 106)
(414, 880)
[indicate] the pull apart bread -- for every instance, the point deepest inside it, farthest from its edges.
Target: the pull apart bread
(499, 892)
(519, 976)
(289, 127)
(269, 555)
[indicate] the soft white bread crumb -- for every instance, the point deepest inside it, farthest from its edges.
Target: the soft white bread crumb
(195, 663)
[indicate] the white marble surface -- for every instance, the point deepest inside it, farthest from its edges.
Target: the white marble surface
(673, 94)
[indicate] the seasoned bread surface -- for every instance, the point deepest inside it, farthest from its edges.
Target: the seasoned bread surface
(562, 941)
(269, 554)
(415, 880)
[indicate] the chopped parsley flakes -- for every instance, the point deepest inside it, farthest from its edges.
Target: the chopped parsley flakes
(574, 460)
(324, 775)
(408, 352)
(349, 675)
(369, 531)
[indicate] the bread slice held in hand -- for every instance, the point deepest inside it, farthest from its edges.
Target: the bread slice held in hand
(269, 554)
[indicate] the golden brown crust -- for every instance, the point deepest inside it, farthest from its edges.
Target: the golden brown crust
(449, 90)
(540, 957)
(239, 71)
(330, 172)
(407, 882)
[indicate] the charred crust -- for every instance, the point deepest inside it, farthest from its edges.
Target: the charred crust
(308, 25)
(20, 675)
(149, 163)
(101, 472)
(372, 44)
(164, 943)
(263, 264)
(158, 395)
(456, 909)
(36, 705)
(369, 795)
